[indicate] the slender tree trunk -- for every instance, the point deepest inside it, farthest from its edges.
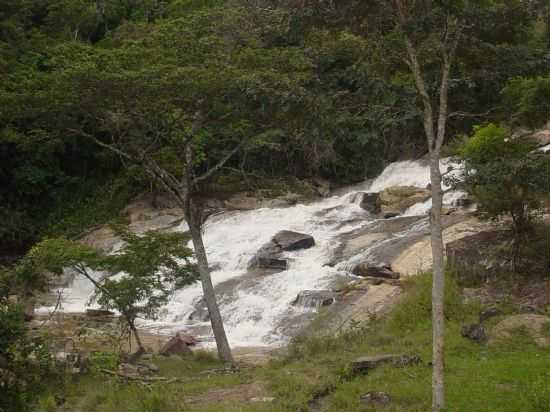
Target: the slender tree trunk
(141, 349)
(194, 222)
(438, 287)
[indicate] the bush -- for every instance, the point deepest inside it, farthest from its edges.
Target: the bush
(506, 177)
(529, 100)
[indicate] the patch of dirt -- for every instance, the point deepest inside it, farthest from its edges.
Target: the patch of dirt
(247, 392)
(534, 325)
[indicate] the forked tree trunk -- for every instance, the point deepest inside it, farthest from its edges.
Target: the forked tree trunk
(438, 287)
(194, 221)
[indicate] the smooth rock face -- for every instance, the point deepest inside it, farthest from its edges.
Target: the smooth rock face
(364, 363)
(315, 298)
(395, 200)
(367, 269)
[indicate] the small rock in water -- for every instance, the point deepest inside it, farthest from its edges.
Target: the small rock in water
(475, 332)
(314, 298)
(379, 398)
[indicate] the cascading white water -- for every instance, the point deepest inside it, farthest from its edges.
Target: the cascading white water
(256, 311)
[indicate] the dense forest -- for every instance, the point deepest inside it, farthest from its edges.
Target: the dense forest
(315, 88)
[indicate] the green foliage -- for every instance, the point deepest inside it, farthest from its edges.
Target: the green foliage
(505, 176)
(24, 361)
(528, 100)
(139, 278)
(104, 360)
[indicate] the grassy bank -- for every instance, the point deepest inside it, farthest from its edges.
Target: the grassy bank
(315, 376)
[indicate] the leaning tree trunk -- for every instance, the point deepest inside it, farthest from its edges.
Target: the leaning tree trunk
(194, 220)
(438, 395)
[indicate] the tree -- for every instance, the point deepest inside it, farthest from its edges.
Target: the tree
(506, 177)
(179, 103)
(136, 281)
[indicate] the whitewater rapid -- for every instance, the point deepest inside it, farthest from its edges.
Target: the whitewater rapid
(256, 312)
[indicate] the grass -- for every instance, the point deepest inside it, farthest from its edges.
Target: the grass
(511, 377)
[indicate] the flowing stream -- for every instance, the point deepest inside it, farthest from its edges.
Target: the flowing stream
(257, 309)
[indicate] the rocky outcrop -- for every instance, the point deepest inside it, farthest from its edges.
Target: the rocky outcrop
(478, 258)
(536, 326)
(315, 298)
(368, 269)
(270, 255)
(395, 200)
(368, 201)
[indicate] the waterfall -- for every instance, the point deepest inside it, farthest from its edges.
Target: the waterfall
(257, 310)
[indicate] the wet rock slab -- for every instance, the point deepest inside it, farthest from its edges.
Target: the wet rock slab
(270, 255)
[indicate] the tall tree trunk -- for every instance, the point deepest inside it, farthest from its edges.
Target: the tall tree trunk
(141, 349)
(194, 221)
(438, 287)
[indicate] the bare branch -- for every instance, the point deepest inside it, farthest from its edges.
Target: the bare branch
(218, 165)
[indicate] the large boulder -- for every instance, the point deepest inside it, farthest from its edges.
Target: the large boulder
(367, 201)
(536, 326)
(314, 298)
(288, 240)
(177, 345)
(270, 255)
(368, 269)
(395, 200)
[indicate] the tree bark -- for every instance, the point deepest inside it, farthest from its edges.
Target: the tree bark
(438, 286)
(194, 221)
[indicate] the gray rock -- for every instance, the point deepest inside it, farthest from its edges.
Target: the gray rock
(270, 255)
(367, 201)
(288, 240)
(475, 332)
(365, 363)
(314, 298)
(368, 269)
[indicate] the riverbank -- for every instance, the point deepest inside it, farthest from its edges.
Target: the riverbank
(315, 373)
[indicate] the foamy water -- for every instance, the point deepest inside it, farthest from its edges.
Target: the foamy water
(255, 313)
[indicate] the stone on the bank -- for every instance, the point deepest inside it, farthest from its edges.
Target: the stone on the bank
(368, 269)
(98, 313)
